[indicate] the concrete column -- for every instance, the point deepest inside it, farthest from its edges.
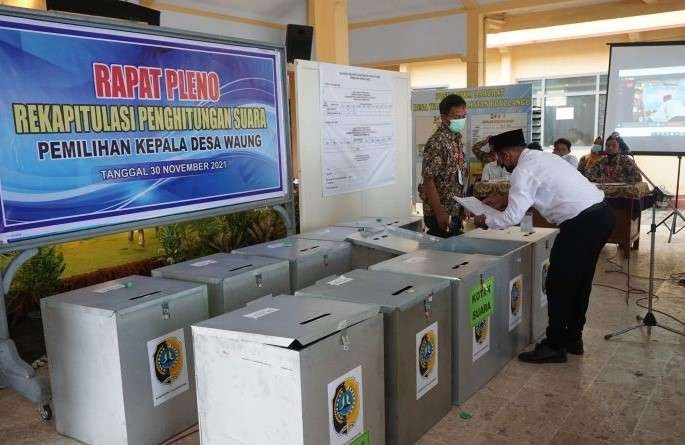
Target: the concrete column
(331, 41)
(475, 49)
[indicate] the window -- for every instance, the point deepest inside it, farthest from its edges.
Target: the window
(569, 107)
(573, 118)
(602, 101)
(569, 85)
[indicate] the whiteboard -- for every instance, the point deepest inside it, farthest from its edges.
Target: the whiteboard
(392, 200)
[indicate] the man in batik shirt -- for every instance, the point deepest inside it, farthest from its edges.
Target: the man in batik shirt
(444, 170)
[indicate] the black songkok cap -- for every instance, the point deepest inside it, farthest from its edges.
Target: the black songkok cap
(508, 139)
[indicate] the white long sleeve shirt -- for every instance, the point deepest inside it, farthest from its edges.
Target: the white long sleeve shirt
(548, 183)
(571, 160)
(493, 171)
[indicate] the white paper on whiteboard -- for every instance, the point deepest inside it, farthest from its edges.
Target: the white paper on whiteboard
(475, 206)
(565, 113)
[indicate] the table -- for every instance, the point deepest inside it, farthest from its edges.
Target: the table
(626, 200)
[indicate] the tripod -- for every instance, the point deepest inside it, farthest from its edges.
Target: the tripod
(675, 214)
(649, 320)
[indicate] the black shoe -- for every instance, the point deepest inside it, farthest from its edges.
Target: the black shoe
(544, 353)
(575, 347)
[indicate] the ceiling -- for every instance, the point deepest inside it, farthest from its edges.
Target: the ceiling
(280, 11)
(362, 10)
(295, 11)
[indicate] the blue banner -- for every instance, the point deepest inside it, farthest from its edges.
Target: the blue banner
(101, 127)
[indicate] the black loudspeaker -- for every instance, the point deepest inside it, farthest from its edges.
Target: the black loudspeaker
(298, 42)
(115, 9)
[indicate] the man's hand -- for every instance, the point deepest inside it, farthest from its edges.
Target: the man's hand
(442, 218)
(496, 201)
(479, 221)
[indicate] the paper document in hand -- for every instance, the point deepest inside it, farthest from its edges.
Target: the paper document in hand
(475, 206)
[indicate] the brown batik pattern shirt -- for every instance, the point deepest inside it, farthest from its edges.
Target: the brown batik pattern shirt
(443, 158)
(620, 168)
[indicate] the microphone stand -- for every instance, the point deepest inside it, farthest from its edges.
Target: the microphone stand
(649, 320)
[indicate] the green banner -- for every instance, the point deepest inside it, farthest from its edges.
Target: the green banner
(364, 439)
(482, 301)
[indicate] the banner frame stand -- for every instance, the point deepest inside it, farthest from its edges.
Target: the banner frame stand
(15, 373)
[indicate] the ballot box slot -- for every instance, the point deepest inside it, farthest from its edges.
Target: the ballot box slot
(309, 248)
(311, 320)
(240, 267)
(457, 266)
(404, 289)
(145, 295)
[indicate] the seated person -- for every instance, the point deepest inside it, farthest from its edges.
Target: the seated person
(480, 154)
(492, 171)
(587, 161)
(562, 147)
(614, 167)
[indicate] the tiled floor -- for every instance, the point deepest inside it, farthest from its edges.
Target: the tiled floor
(630, 390)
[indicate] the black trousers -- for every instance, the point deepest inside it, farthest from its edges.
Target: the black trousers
(572, 268)
(435, 230)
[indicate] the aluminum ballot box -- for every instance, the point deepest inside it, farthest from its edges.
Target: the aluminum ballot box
(371, 247)
(477, 355)
(291, 370)
(413, 223)
(232, 280)
(540, 245)
(513, 291)
(331, 233)
(121, 366)
(310, 260)
(417, 343)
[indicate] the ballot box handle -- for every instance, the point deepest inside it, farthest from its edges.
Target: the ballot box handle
(259, 280)
(427, 307)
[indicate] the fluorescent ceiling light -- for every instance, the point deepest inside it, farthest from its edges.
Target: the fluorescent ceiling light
(582, 30)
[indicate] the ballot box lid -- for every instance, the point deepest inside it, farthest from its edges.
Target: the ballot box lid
(513, 234)
(292, 248)
(374, 221)
(331, 233)
(287, 321)
(483, 246)
(391, 291)
(393, 240)
(439, 264)
(219, 267)
(126, 295)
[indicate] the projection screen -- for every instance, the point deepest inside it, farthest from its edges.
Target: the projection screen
(646, 96)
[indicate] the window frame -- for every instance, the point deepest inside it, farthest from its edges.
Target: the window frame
(542, 96)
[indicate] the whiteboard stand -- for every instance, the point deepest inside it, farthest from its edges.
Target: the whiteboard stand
(676, 213)
(15, 373)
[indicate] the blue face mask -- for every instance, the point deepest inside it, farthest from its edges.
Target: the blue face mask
(457, 125)
(596, 148)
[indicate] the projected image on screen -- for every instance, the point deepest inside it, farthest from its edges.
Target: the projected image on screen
(646, 97)
(656, 99)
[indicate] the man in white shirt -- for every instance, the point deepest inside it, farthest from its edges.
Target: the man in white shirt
(562, 147)
(493, 171)
(566, 198)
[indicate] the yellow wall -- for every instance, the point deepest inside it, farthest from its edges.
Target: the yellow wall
(450, 72)
(33, 4)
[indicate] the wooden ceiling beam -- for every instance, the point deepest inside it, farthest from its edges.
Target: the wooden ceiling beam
(603, 11)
